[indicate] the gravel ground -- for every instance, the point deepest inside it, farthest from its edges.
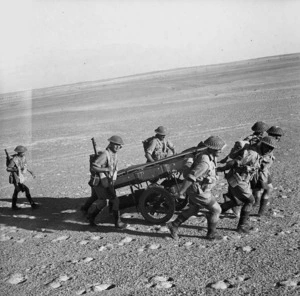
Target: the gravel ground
(53, 251)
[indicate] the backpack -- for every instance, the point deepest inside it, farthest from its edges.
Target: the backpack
(147, 142)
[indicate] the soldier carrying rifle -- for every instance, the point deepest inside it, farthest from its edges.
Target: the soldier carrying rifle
(104, 168)
(17, 166)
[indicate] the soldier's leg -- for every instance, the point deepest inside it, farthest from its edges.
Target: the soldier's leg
(212, 220)
(100, 203)
(265, 199)
(89, 201)
(257, 193)
(192, 209)
(28, 196)
(230, 201)
(116, 214)
(15, 198)
(243, 225)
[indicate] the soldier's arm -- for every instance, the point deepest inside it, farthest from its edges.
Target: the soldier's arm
(150, 150)
(171, 147)
(99, 161)
(199, 170)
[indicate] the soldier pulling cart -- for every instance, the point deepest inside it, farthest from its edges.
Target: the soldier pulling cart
(154, 186)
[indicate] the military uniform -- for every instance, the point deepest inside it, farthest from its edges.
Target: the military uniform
(199, 182)
(18, 168)
(241, 171)
(262, 181)
(159, 149)
(102, 182)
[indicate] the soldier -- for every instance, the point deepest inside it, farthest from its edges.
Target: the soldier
(258, 128)
(104, 171)
(275, 132)
(262, 182)
(241, 170)
(198, 184)
(18, 167)
(157, 147)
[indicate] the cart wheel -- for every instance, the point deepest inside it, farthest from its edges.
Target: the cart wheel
(157, 205)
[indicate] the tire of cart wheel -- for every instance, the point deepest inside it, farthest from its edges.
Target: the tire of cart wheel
(166, 198)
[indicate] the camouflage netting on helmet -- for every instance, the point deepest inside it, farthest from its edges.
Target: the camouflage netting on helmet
(275, 131)
(259, 127)
(268, 141)
(214, 142)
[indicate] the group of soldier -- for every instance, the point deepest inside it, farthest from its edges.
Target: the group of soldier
(246, 168)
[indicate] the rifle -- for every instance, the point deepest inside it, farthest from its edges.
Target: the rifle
(94, 146)
(111, 187)
(8, 158)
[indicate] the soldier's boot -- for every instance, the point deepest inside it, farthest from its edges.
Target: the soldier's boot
(84, 209)
(173, 226)
(92, 216)
(243, 225)
(227, 205)
(212, 231)
(14, 206)
(117, 219)
(263, 206)
(32, 203)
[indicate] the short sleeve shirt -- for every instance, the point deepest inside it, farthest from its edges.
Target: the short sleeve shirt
(159, 149)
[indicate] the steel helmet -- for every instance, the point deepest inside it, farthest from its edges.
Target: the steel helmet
(161, 131)
(275, 131)
(268, 141)
(20, 149)
(214, 142)
(259, 127)
(116, 140)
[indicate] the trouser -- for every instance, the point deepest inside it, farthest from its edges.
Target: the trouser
(23, 188)
(197, 202)
(90, 200)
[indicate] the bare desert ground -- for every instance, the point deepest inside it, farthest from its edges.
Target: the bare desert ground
(53, 251)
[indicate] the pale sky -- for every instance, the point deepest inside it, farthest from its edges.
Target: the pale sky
(49, 43)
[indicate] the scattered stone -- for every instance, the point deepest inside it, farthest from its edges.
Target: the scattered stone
(55, 285)
(84, 242)
(247, 249)
(158, 278)
(164, 229)
(188, 244)
(102, 287)
(95, 237)
(102, 248)
(88, 259)
(60, 238)
(131, 228)
(126, 240)
(288, 283)
(153, 246)
(283, 196)
(4, 238)
(40, 235)
(64, 278)
(277, 215)
(81, 292)
(109, 246)
(140, 250)
(16, 279)
(70, 211)
(164, 285)
(220, 285)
